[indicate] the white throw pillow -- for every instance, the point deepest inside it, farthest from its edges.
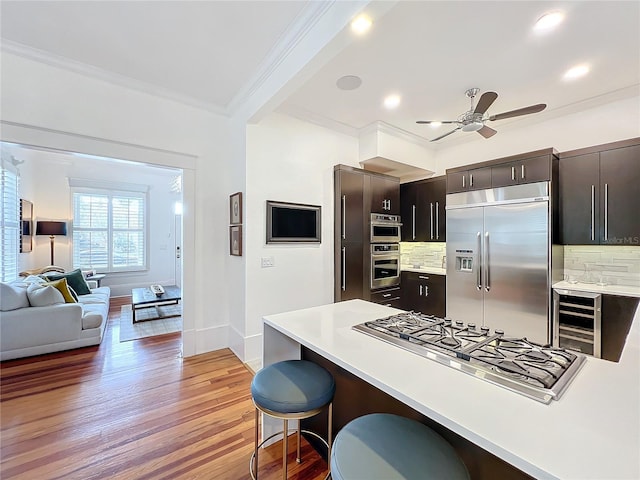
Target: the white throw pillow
(12, 297)
(43, 295)
(34, 279)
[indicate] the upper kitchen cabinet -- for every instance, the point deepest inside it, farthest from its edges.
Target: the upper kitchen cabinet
(598, 188)
(463, 180)
(423, 210)
(527, 167)
(385, 194)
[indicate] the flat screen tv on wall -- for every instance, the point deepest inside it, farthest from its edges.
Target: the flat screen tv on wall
(292, 223)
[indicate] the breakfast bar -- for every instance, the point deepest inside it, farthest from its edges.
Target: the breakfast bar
(592, 431)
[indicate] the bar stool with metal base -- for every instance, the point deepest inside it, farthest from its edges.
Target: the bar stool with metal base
(381, 446)
(291, 390)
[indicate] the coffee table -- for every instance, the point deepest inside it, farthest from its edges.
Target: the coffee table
(145, 298)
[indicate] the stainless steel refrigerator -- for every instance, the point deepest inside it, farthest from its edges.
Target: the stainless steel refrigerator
(500, 259)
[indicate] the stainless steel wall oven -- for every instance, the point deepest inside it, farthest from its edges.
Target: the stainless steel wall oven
(385, 265)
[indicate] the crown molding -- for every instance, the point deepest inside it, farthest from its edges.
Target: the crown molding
(293, 35)
(393, 131)
(316, 119)
(81, 68)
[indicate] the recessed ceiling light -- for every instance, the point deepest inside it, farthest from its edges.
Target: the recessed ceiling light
(349, 82)
(392, 101)
(576, 72)
(548, 22)
(435, 124)
(361, 24)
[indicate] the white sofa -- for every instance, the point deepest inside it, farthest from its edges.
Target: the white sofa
(29, 330)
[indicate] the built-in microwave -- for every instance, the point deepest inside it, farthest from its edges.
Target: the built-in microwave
(385, 228)
(385, 265)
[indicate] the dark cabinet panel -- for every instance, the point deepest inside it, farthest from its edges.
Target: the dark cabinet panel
(479, 178)
(423, 292)
(351, 187)
(504, 175)
(389, 296)
(432, 219)
(617, 315)
(536, 169)
(579, 199)
(408, 211)
(385, 195)
(619, 185)
(457, 182)
(351, 269)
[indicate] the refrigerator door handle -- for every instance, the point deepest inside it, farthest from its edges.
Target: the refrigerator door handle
(487, 278)
(479, 269)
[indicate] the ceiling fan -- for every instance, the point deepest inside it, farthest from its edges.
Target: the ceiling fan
(473, 120)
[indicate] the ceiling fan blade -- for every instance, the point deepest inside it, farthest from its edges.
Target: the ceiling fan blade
(520, 111)
(487, 132)
(437, 121)
(446, 134)
(485, 102)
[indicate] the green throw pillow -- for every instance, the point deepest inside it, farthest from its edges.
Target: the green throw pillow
(75, 280)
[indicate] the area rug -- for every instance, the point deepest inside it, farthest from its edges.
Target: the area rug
(149, 328)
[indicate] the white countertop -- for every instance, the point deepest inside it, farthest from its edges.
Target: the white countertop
(431, 270)
(592, 432)
(605, 289)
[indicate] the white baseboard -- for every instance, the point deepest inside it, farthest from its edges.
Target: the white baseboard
(197, 341)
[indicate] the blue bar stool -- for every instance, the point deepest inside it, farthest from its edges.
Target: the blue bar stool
(291, 390)
(381, 446)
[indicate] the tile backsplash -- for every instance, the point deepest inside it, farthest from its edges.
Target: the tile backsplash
(419, 254)
(611, 265)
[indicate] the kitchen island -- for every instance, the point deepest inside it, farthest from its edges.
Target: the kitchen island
(593, 431)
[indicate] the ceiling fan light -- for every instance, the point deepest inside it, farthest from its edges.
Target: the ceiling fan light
(548, 22)
(435, 124)
(472, 127)
(361, 24)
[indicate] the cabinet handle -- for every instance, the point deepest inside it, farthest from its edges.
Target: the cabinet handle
(389, 204)
(593, 212)
(471, 179)
(463, 177)
(413, 222)
(386, 295)
(344, 269)
(606, 212)
(422, 277)
(513, 173)
(437, 223)
(420, 290)
(344, 217)
(431, 220)
(522, 171)
(426, 291)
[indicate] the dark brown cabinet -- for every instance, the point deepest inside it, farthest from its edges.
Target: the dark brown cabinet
(474, 179)
(389, 297)
(530, 167)
(385, 194)
(617, 316)
(423, 210)
(597, 196)
(528, 170)
(423, 292)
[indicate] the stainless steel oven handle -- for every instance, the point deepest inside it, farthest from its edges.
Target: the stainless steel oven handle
(487, 283)
(479, 267)
(431, 220)
(344, 268)
(344, 217)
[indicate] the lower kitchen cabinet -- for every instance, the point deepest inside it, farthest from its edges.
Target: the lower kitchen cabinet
(389, 297)
(423, 292)
(617, 315)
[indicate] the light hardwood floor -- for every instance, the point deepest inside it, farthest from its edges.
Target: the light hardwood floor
(134, 410)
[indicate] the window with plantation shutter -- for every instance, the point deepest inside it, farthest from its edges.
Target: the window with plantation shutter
(109, 230)
(9, 225)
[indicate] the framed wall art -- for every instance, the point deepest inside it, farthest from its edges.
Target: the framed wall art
(235, 208)
(26, 226)
(235, 240)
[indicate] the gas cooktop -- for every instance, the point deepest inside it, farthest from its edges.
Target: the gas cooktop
(539, 372)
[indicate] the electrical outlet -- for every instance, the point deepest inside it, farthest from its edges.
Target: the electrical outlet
(268, 262)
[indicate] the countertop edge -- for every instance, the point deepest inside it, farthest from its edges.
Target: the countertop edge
(622, 290)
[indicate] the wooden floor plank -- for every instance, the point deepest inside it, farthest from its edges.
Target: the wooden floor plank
(134, 410)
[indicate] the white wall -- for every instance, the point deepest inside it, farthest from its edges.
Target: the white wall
(48, 182)
(46, 106)
(292, 161)
(618, 120)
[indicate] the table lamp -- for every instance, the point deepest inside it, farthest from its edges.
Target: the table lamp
(52, 229)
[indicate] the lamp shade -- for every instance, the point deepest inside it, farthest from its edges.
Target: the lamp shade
(51, 228)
